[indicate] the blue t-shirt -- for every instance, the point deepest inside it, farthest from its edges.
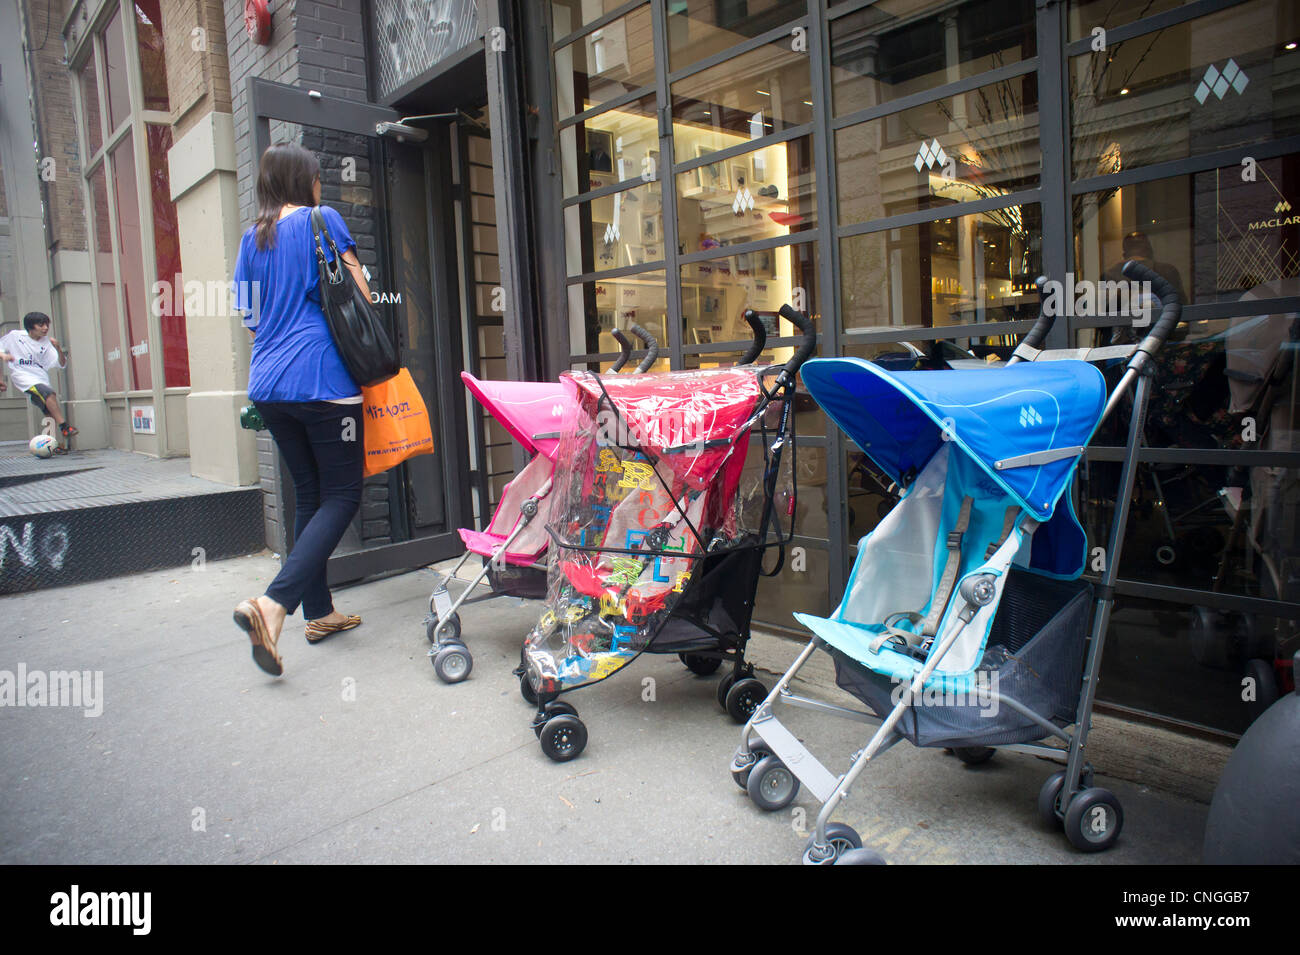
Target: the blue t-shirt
(277, 288)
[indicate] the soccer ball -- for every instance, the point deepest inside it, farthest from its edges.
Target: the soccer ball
(42, 446)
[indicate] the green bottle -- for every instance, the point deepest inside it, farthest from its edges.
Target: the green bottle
(251, 419)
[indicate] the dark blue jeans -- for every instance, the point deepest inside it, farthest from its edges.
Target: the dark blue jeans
(323, 446)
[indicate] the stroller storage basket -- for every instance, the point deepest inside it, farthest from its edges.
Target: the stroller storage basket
(1034, 656)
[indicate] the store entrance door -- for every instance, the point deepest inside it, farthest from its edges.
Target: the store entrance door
(389, 191)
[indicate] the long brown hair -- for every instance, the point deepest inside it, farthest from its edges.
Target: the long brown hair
(285, 177)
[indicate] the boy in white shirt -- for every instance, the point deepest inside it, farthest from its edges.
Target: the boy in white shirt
(30, 354)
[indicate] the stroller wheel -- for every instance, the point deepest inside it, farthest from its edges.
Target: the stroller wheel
(723, 686)
(563, 737)
(1093, 820)
(526, 690)
(1262, 679)
(740, 770)
(743, 697)
(860, 857)
(439, 631)
(974, 755)
(700, 665)
(1049, 798)
(552, 709)
(840, 839)
(771, 785)
(453, 662)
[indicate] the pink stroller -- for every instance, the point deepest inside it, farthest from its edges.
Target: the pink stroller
(514, 544)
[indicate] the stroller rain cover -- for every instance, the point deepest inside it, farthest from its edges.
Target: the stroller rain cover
(647, 478)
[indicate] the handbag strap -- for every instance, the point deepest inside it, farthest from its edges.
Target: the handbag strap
(318, 227)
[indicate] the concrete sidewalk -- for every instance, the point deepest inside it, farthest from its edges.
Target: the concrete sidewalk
(360, 754)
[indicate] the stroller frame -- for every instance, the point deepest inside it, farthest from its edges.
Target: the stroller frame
(451, 659)
(772, 762)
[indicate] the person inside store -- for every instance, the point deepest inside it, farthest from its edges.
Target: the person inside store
(31, 352)
(301, 388)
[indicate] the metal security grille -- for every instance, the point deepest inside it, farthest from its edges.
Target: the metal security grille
(411, 36)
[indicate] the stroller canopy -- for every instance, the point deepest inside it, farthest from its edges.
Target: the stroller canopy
(996, 415)
(526, 409)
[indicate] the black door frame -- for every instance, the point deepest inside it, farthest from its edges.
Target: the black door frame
(269, 100)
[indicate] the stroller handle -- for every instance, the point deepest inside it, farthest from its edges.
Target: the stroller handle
(1171, 307)
(805, 325)
(1033, 341)
(625, 346)
(652, 353)
(760, 337)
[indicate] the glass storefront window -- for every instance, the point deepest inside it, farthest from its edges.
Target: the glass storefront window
(893, 49)
(167, 257)
(597, 308)
(613, 146)
(1087, 15)
(753, 95)
(135, 290)
(90, 107)
(799, 587)
(605, 64)
(1215, 236)
(570, 15)
(616, 231)
(974, 146)
(115, 71)
(105, 284)
(1216, 82)
(717, 292)
(153, 62)
(762, 194)
(969, 269)
(1187, 662)
(698, 30)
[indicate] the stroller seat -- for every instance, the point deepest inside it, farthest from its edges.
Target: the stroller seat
(530, 544)
(953, 523)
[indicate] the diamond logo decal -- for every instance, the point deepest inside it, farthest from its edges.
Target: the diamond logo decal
(1029, 416)
(744, 201)
(930, 154)
(1282, 206)
(611, 233)
(1219, 82)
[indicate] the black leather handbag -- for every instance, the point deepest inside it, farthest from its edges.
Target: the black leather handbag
(363, 342)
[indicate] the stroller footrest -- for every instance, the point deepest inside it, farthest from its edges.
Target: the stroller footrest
(786, 746)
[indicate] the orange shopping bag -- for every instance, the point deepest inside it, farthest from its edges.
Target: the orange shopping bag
(396, 423)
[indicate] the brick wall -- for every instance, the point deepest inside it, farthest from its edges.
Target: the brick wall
(56, 123)
(198, 76)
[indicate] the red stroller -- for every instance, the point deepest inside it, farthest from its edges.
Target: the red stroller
(513, 545)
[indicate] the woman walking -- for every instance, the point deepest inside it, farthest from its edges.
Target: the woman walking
(302, 390)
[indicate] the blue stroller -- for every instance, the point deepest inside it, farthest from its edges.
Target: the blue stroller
(964, 623)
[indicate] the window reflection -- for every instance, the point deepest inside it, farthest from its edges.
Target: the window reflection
(894, 48)
(606, 63)
(974, 146)
(753, 95)
(964, 270)
(613, 146)
(698, 30)
(1216, 82)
